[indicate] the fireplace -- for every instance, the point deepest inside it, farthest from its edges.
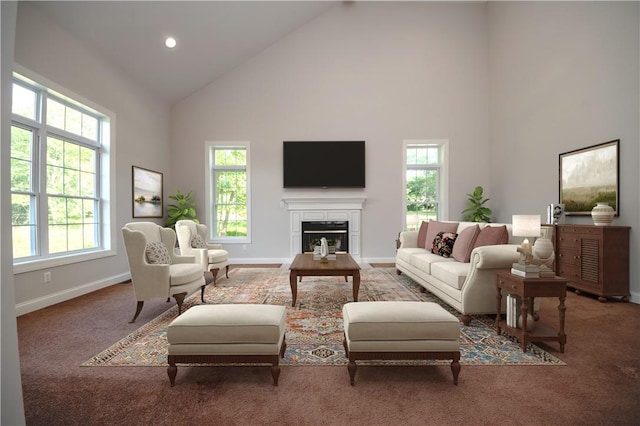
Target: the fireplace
(324, 209)
(331, 230)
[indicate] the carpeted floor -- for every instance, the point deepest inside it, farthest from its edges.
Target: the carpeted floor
(600, 384)
(314, 325)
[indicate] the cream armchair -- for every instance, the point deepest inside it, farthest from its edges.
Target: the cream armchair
(156, 271)
(192, 239)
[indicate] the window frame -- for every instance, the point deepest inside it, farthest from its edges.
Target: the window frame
(442, 199)
(210, 197)
(105, 171)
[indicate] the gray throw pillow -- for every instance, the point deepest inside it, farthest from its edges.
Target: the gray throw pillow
(157, 253)
(198, 242)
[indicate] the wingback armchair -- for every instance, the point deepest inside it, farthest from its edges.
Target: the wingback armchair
(192, 239)
(156, 270)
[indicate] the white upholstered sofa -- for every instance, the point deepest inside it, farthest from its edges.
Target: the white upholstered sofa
(468, 282)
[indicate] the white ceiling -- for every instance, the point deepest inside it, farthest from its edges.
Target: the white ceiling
(213, 36)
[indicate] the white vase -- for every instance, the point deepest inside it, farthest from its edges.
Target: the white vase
(602, 214)
(530, 322)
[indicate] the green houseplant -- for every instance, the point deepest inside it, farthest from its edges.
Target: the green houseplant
(477, 212)
(184, 208)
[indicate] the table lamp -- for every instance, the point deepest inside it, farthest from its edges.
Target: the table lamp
(527, 226)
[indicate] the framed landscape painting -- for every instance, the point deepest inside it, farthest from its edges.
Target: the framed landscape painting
(147, 192)
(588, 176)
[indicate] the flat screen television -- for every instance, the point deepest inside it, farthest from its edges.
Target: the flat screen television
(320, 164)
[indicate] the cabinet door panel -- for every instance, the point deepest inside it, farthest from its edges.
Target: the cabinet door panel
(589, 260)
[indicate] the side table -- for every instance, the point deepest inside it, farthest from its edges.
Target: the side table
(528, 289)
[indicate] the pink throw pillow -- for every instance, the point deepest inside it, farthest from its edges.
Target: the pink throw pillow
(422, 233)
(465, 243)
(434, 228)
(492, 235)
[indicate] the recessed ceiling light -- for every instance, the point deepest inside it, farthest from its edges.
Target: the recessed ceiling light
(170, 42)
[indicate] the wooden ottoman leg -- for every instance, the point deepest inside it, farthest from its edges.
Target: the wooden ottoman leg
(352, 367)
(275, 373)
(172, 370)
(455, 369)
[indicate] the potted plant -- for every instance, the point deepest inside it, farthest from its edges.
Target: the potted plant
(477, 212)
(184, 208)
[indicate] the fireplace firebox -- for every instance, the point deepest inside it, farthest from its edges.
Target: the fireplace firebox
(331, 230)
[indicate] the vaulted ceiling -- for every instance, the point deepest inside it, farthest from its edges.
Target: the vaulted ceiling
(213, 37)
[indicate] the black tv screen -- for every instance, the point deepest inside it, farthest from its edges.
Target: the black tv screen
(333, 164)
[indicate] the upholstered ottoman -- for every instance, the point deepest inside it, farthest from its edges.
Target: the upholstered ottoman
(400, 330)
(227, 334)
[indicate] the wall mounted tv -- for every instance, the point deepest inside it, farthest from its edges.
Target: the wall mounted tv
(320, 164)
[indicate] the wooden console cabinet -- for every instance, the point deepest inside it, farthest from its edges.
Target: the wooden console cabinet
(595, 259)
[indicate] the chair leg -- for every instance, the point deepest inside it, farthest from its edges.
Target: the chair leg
(202, 293)
(179, 299)
(138, 309)
(226, 272)
(214, 271)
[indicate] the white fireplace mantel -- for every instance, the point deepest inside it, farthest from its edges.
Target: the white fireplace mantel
(315, 203)
(321, 209)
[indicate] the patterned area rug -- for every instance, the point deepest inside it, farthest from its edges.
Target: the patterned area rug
(314, 326)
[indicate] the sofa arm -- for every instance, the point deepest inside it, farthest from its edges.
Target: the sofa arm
(499, 256)
(408, 239)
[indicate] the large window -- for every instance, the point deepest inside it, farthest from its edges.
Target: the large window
(424, 183)
(228, 192)
(59, 174)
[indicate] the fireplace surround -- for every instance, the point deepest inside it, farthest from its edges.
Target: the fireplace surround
(339, 209)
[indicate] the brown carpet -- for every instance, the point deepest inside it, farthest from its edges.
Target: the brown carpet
(599, 385)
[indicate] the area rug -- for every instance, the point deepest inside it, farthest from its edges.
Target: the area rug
(314, 326)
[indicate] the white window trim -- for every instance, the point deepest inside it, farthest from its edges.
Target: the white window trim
(108, 175)
(209, 190)
(443, 190)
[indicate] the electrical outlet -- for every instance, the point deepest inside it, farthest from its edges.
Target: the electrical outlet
(47, 277)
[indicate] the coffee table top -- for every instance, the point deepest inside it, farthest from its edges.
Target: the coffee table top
(305, 262)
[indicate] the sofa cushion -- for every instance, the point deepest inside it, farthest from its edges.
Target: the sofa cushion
(157, 253)
(443, 243)
(452, 274)
(424, 260)
(422, 234)
(492, 235)
(435, 227)
(406, 253)
(465, 243)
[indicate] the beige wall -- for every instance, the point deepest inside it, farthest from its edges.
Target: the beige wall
(379, 72)
(563, 76)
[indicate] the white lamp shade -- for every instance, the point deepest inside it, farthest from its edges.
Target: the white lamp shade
(526, 225)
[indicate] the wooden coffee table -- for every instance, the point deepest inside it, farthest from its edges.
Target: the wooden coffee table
(304, 266)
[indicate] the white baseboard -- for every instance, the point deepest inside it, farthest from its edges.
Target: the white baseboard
(379, 260)
(68, 294)
(287, 261)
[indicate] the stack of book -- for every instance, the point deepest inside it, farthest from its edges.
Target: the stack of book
(319, 257)
(525, 270)
(513, 310)
(546, 272)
